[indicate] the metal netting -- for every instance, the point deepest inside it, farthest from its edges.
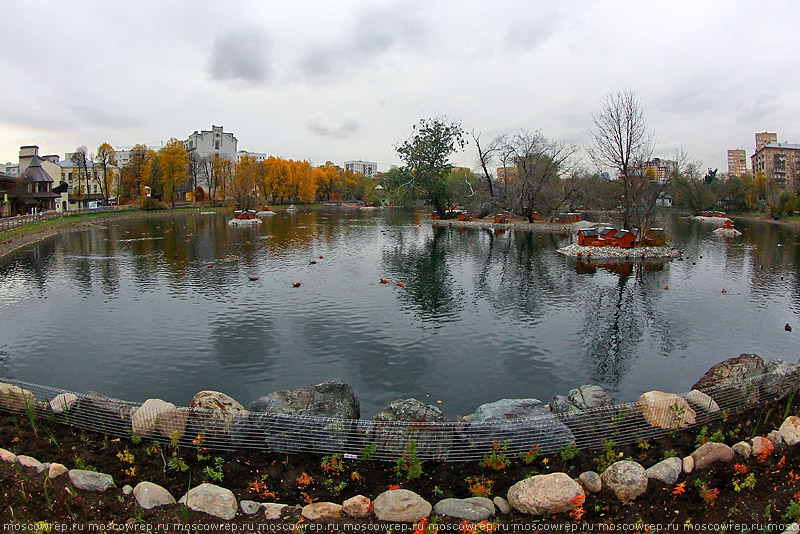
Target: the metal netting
(453, 441)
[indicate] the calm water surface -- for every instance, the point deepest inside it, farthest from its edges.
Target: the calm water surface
(132, 310)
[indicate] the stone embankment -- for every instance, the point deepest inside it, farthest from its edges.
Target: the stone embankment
(539, 495)
(740, 380)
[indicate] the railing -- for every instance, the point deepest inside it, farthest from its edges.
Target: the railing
(453, 441)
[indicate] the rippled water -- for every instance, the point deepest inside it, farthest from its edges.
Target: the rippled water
(134, 310)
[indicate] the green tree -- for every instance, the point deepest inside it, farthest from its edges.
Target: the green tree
(173, 162)
(691, 190)
(426, 157)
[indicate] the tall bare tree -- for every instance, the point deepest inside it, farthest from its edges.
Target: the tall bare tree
(81, 159)
(486, 157)
(621, 140)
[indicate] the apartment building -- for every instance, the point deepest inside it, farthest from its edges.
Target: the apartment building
(779, 163)
(765, 138)
(214, 142)
(367, 168)
(737, 163)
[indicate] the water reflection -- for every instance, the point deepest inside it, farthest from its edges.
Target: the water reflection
(482, 315)
(424, 269)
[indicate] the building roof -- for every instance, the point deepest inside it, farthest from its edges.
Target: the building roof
(790, 146)
(35, 172)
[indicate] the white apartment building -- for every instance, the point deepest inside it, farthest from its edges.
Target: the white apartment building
(214, 142)
(367, 168)
(260, 156)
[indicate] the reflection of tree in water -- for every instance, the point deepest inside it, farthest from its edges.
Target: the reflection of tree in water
(520, 274)
(619, 316)
(429, 284)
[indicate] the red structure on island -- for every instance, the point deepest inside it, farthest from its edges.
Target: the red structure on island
(605, 237)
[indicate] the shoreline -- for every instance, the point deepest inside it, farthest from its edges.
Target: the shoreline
(512, 225)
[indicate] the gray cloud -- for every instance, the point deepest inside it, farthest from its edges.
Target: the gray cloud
(242, 54)
(373, 33)
(323, 127)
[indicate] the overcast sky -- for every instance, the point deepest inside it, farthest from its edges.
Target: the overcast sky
(339, 80)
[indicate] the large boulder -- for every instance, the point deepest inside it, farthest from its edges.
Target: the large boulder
(471, 509)
(358, 506)
(702, 401)
(149, 495)
(790, 430)
(214, 414)
(666, 471)
(409, 410)
(522, 423)
(665, 410)
(545, 494)
(712, 452)
(333, 398)
(63, 402)
(723, 380)
(14, 398)
(400, 506)
(782, 380)
(508, 410)
(173, 422)
(145, 420)
(406, 420)
(583, 398)
(318, 510)
(626, 479)
(212, 500)
(90, 481)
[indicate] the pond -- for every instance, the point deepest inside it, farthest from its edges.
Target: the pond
(164, 306)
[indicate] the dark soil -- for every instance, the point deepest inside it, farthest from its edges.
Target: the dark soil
(25, 497)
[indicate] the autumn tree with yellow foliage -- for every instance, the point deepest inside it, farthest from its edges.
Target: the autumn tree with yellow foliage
(105, 162)
(244, 182)
(173, 162)
(137, 173)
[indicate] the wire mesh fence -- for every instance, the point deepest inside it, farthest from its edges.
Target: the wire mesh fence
(452, 441)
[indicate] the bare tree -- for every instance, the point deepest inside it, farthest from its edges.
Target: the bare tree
(621, 140)
(486, 156)
(196, 170)
(81, 159)
(539, 164)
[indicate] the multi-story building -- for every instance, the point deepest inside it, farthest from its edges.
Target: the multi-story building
(259, 156)
(737, 163)
(765, 138)
(664, 169)
(215, 142)
(30, 188)
(84, 185)
(779, 163)
(367, 168)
